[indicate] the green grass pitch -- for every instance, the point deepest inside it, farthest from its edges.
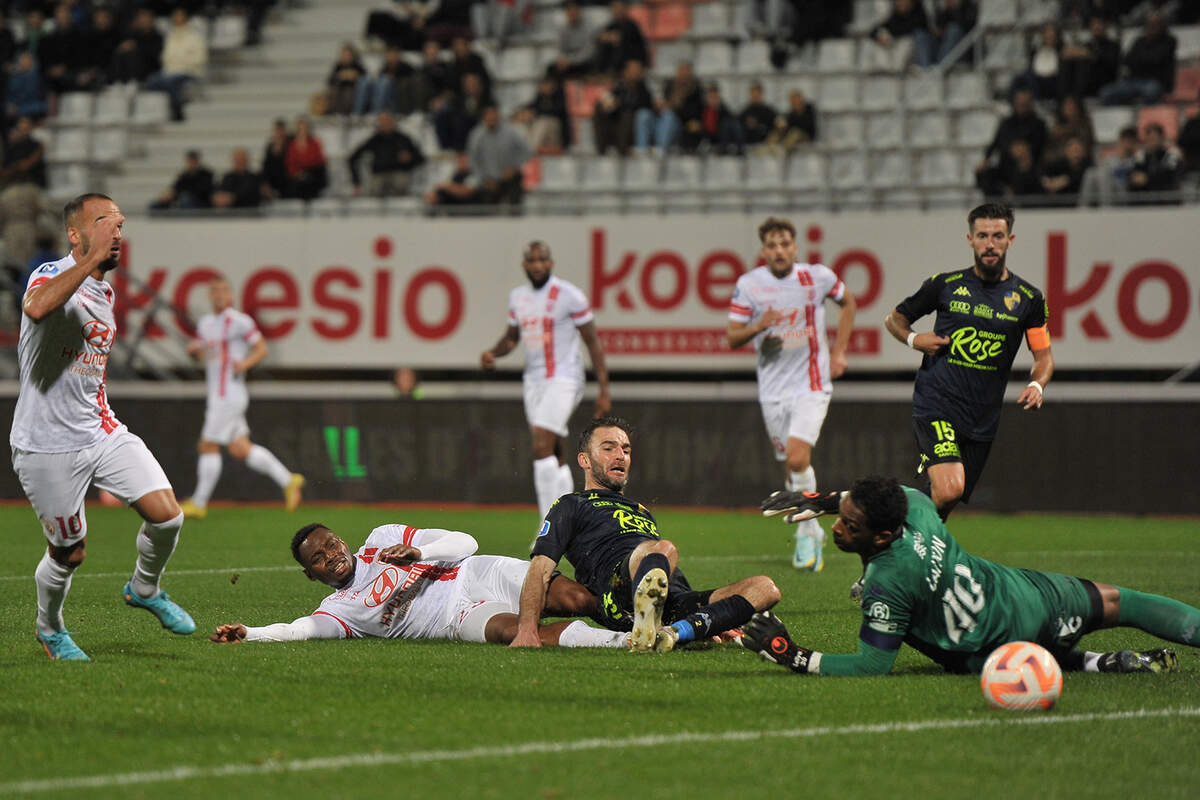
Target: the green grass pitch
(156, 715)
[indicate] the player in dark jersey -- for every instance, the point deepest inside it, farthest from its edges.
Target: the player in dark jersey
(982, 314)
(922, 589)
(614, 545)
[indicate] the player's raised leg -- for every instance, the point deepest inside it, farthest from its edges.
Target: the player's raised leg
(650, 565)
(728, 607)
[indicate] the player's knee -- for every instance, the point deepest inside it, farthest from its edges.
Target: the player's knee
(71, 556)
(763, 593)
(240, 450)
(667, 548)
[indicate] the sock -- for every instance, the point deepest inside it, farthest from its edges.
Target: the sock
(155, 543)
(580, 634)
(806, 481)
(53, 582)
(1091, 661)
(566, 481)
(651, 561)
(1161, 616)
(714, 618)
(545, 483)
(260, 459)
(208, 472)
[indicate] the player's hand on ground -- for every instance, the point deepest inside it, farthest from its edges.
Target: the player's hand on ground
(1030, 398)
(229, 634)
(487, 360)
(929, 342)
(766, 635)
(526, 639)
(400, 554)
(770, 346)
(799, 506)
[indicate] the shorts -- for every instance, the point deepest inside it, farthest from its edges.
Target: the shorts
(224, 422)
(615, 593)
(488, 585)
(550, 403)
(939, 443)
(56, 483)
(799, 418)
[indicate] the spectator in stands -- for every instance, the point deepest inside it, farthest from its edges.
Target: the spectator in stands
(1109, 182)
(456, 114)
(404, 25)
(33, 29)
(100, 43)
(430, 81)
(497, 154)
(1025, 124)
(953, 20)
(184, 60)
(139, 53)
(1017, 181)
(24, 156)
(25, 94)
(464, 60)
(27, 231)
(621, 114)
(1156, 168)
(906, 18)
(449, 20)
(798, 126)
(619, 42)
(1062, 177)
(757, 118)
(8, 42)
(1071, 121)
(1148, 67)
(381, 93)
(544, 120)
(716, 129)
(680, 103)
(820, 19)
(499, 20)
(274, 161)
(1042, 77)
(1189, 143)
(1088, 61)
(193, 188)
(60, 54)
(346, 79)
(576, 45)
(460, 189)
(241, 187)
(394, 156)
(773, 20)
(305, 162)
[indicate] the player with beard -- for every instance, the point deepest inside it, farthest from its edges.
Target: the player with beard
(614, 545)
(982, 313)
(65, 437)
(549, 317)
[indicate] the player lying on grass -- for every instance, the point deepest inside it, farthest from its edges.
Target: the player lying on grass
(922, 589)
(410, 583)
(614, 546)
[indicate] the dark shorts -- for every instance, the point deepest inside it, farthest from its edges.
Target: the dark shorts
(615, 593)
(939, 443)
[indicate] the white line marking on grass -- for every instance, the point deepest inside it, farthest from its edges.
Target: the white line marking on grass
(169, 573)
(182, 773)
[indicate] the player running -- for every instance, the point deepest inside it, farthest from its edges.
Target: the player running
(982, 313)
(549, 317)
(614, 546)
(922, 589)
(65, 437)
(410, 583)
(781, 307)
(229, 343)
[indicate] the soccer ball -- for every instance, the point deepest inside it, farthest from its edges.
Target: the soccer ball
(1021, 676)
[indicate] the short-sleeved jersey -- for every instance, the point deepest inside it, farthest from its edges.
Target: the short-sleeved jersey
(227, 338)
(802, 365)
(594, 529)
(946, 603)
(985, 322)
(62, 405)
(548, 319)
(390, 601)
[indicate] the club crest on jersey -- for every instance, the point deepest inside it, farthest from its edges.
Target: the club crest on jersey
(383, 587)
(98, 334)
(1012, 300)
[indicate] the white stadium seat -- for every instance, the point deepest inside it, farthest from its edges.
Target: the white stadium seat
(764, 172)
(885, 131)
(967, 90)
(1107, 121)
(641, 174)
(518, 63)
(713, 58)
(880, 93)
(559, 174)
(836, 55)
(74, 108)
(710, 20)
(847, 171)
(940, 168)
(977, 128)
(841, 131)
(931, 129)
(723, 173)
(839, 93)
(112, 107)
(681, 173)
(150, 108)
(890, 169)
(806, 170)
(601, 174)
(753, 58)
(70, 144)
(922, 92)
(998, 13)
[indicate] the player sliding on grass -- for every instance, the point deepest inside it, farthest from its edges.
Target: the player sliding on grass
(922, 589)
(614, 545)
(410, 583)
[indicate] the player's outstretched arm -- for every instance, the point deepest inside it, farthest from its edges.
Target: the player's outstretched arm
(50, 295)
(766, 635)
(801, 505)
(315, 626)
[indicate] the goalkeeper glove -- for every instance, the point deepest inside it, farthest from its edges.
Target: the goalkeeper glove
(801, 505)
(766, 635)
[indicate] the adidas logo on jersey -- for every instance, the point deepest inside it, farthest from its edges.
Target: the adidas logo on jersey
(963, 291)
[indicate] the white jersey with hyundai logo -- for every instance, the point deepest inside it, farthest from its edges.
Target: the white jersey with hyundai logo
(803, 363)
(62, 406)
(227, 338)
(392, 602)
(548, 319)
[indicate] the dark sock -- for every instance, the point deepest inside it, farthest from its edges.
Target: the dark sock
(1161, 616)
(714, 618)
(1070, 660)
(652, 561)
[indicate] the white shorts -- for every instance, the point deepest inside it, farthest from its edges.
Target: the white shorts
(798, 418)
(488, 585)
(224, 422)
(56, 483)
(550, 403)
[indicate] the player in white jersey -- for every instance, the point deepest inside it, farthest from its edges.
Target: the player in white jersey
(781, 307)
(421, 583)
(65, 437)
(229, 343)
(549, 317)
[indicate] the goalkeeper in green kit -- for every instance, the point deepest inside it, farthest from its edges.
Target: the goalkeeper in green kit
(922, 589)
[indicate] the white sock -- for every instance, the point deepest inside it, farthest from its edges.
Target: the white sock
(155, 543)
(545, 483)
(53, 582)
(263, 460)
(208, 472)
(806, 481)
(566, 481)
(1091, 661)
(580, 634)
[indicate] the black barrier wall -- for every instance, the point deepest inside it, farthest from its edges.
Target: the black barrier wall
(1124, 457)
